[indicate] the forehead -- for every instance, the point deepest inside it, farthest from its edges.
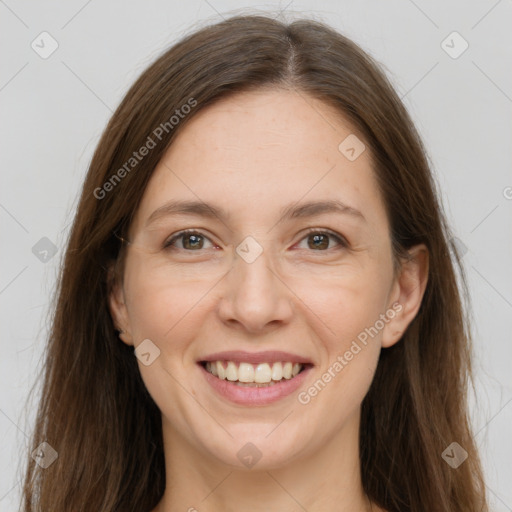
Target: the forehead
(254, 152)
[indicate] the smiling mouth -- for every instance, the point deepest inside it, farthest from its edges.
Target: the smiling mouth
(254, 375)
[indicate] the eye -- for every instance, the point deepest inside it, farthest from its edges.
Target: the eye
(190, 240)
(319, 240)
(193, 241)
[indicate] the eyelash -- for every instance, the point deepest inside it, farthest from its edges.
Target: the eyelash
(339, 238)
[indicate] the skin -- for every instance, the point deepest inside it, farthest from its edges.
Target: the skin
(252, 154)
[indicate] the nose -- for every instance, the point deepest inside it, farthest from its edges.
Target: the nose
(254, 296)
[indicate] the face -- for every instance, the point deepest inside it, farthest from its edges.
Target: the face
(289, 269)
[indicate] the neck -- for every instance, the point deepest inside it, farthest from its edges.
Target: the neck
(327, 481)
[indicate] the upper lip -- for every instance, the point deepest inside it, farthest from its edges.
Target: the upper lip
(268, 356)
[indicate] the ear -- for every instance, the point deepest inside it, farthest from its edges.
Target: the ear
(407, 294)
(117, 306)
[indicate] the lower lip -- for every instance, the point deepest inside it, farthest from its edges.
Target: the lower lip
(245, 395)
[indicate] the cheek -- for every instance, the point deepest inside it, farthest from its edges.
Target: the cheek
(349, 307)
(164, 309)
(349, 358)
(159, 301)
(346, 300)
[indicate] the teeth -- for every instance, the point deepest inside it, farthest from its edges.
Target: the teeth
(221, 372)
(277, 371)
(263, 373)
(287, 370)
(231, 372)
(246, 373)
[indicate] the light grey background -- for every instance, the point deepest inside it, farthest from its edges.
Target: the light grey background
(54, 110)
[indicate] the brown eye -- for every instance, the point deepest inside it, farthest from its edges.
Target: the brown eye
(190, 241)
(319, 241)
(322, 240)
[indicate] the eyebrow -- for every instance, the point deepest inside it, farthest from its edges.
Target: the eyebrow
(291, 211)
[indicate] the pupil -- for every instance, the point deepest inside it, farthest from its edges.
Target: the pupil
(319, 238)
(319, 241)
(195, 241)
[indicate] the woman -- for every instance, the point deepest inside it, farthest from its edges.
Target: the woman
(258, 309)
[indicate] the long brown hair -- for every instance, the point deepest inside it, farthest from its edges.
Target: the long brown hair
(95, 410)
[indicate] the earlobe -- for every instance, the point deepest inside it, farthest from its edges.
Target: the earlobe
(117, 307)
(407, 294)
